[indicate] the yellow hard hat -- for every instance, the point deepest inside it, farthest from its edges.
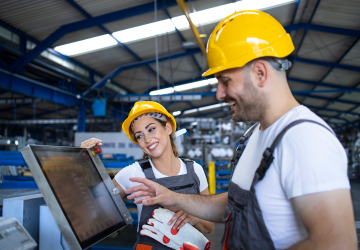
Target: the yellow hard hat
(143, 108)
(243, 37)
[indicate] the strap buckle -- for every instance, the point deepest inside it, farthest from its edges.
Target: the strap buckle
(268, 154)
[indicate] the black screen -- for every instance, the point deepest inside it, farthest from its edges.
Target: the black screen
(80, 191)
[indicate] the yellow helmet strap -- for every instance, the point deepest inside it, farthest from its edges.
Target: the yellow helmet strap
(280, 64)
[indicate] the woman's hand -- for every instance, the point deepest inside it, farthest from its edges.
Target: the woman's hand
(181, 219)
(91, 143)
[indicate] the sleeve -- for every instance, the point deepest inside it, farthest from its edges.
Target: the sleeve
(122, 177)
(311, 160)
(201, 174)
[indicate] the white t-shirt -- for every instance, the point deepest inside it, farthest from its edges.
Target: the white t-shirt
(309, 159)
(135, 170)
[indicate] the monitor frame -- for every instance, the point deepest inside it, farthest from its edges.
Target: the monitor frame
(54, 205)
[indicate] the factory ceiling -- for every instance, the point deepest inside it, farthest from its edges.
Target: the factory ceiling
(56, 57)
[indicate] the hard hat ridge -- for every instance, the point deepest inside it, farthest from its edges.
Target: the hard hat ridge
(245, 36)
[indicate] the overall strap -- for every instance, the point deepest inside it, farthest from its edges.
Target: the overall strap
(268, 153)
(146, 167)
(241, 147)
(189, 165)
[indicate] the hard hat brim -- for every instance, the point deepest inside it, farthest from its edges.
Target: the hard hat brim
(281, 48)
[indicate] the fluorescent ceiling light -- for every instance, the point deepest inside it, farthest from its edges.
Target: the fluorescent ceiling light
(214, 106)
(189, 111)
(195, 85)
(176, 113)
(87, 45)
(184, 87)
(149, 30)
(145, 31)
(162, 91)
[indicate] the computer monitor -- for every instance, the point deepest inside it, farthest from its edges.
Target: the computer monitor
(79, 193)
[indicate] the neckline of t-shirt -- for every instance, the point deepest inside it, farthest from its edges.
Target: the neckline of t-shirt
(279, 120)
(182, 164)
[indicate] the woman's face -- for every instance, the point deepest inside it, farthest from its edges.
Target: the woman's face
(152, 137)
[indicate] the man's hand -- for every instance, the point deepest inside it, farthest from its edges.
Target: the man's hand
(212, 206)
(153, 193)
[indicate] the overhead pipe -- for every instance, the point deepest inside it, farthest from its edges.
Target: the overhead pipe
(193, 28)
(116, 71)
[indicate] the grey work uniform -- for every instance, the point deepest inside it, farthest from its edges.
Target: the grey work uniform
(244, 224)
(187, 184)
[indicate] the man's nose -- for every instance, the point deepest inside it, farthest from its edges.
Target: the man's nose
(220, 92)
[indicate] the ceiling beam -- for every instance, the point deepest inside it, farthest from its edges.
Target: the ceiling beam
(56, 112)
(29, 38)
(134, 11)
(132, 65)
(106, 31)
(325, 64)
(83, 24)
(29, 87)
(334, 110)
(322, 28)
(328, 99)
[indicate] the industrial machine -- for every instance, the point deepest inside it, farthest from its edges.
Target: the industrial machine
(13, 236)
(79, 193)
(355, 168)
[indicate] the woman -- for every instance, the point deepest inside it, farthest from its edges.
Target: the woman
(153, 128)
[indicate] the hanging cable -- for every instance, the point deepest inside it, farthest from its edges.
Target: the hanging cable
(171, 69)
(156, 49)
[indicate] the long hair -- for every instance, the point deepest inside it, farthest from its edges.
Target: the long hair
(172, 140)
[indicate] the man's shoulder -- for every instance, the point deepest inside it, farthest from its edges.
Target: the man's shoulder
(308, 139)
(312, 126)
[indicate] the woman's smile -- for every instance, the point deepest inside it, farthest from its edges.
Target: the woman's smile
(153, 146)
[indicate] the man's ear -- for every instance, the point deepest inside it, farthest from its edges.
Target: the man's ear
(260, 73)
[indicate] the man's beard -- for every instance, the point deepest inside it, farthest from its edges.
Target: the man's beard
(251, 105)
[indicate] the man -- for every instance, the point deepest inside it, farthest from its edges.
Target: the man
(288, 190)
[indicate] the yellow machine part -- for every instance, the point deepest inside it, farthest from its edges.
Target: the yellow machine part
(212, 181)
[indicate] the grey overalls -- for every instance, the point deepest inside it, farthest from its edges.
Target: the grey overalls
(187, 184)
(244, 224)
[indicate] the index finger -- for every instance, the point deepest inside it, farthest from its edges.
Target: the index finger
(136, 189)
(144, 181)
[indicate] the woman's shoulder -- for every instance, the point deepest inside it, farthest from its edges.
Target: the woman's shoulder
(133, 167)
(132, 170)
(197, 167)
